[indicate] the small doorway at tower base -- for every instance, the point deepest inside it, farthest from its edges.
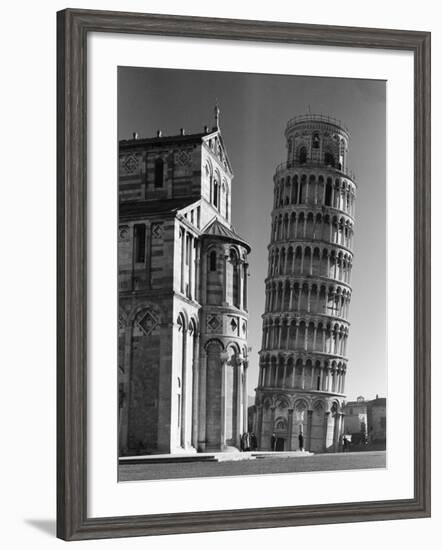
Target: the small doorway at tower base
(280, 444)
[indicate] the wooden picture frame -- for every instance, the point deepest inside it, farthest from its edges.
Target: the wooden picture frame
(73, 27)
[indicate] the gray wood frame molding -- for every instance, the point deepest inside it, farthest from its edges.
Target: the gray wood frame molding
(73, 27)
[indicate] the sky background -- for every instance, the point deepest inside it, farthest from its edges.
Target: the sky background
(255, 109)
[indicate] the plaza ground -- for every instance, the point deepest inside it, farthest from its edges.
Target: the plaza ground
(269, 465)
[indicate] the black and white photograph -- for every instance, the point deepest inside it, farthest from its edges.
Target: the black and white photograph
(219, 216)
(252, 334)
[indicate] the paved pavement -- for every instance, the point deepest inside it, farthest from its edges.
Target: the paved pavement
(312, 463)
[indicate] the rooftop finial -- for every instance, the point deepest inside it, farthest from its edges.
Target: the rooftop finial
(217, 112)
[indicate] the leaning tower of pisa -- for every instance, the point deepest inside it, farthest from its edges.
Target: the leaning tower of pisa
(303, 359)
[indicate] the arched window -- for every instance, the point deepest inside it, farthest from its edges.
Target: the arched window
(215, 193)
(329, 159)
(226, 201)
(181, 375)
(159, 172)
(303, 155)
(316, 141)
(236, 279)
(303, 189)
(140, 242)
(295, 190)
(212, 261)
(328, 193)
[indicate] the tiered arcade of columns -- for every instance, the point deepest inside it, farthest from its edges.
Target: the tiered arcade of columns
(303, 359)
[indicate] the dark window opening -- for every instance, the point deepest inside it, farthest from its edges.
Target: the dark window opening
(187, 250)
(328, 194)
(212, 261)
(316, 141)
(329, 159)
(303, 155)
(295, 193)
(140, 242)
(318, 383)
(215, 194)
(302, 190)
(159, 172)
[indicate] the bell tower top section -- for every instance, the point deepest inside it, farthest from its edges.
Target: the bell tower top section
(317, 140)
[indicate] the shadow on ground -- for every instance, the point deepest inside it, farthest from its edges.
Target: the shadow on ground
(47, 526)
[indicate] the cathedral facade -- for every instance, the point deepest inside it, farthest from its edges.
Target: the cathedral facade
(303, 362)
(182, 297)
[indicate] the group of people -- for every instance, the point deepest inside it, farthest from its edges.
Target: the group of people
(273, 442)
(249, 442)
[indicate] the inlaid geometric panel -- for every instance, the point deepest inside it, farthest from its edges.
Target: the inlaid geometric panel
(148, 323)
(130, 164)
(123, 233)
(157, 230)
(213, 323)
(121, 322)
(184, 158)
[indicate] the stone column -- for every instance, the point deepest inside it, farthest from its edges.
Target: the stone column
(284, 374)
(226, 259)
(296, 334)
(190, 268)
(239, 395)
(292, 383)
(290, 429)
(336, 430)
(223, 402)
(259, 426)
(326, 416)
(245, 410)
(325, 379)
(202, 401)
(291, 298)
(240, 275)
(308, 442)
(272, 420)
(197, 271)
(195, 396)
(124, 413)
(184, 391)
(167, 433)
(246, 273)
(183, 258)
